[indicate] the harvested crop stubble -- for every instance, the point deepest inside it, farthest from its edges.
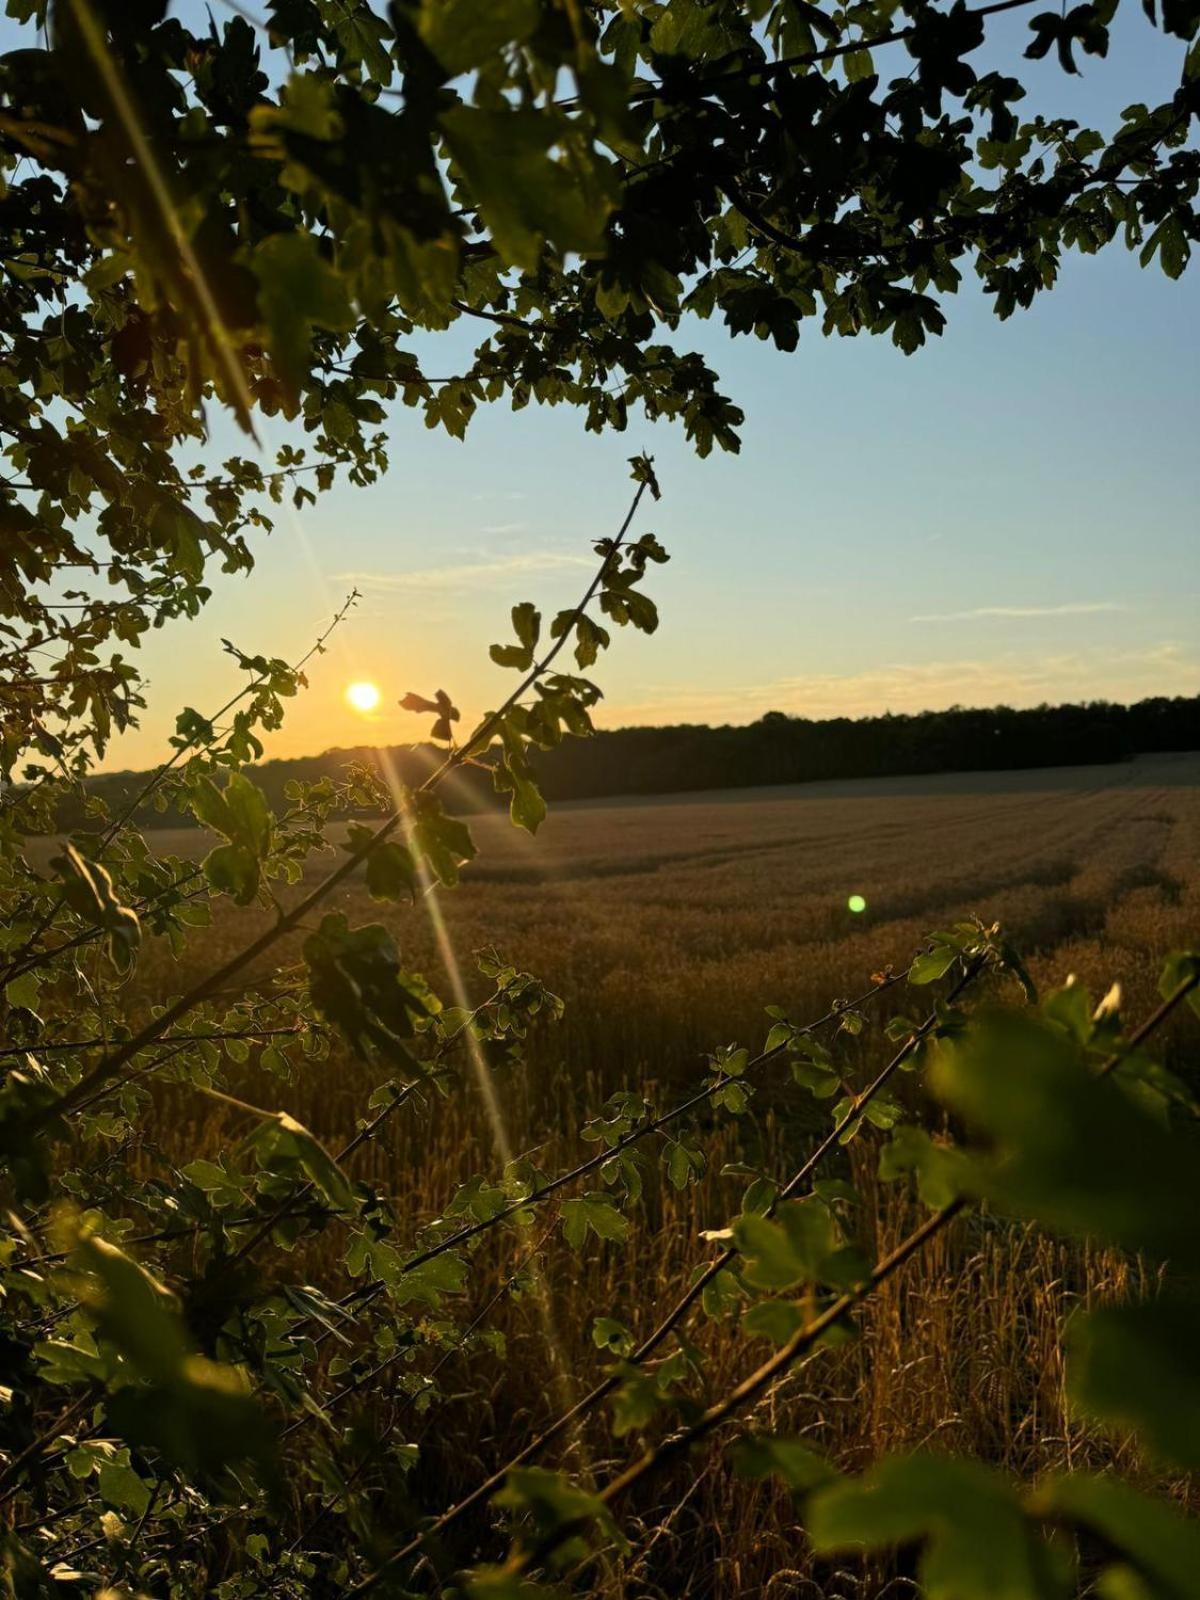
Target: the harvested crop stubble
(667, 926)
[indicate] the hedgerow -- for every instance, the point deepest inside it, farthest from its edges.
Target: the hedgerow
(262, 221)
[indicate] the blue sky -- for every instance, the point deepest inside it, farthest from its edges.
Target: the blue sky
(1008, 516)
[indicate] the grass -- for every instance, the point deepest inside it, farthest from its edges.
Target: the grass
(667, 926)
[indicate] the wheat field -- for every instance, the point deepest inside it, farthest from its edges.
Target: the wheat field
(667, 926)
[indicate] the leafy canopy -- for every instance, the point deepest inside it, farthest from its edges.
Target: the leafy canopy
(278, 214)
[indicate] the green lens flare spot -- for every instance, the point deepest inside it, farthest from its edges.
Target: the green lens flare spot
(857, 904)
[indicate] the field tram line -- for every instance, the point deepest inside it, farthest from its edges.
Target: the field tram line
(1006, 808)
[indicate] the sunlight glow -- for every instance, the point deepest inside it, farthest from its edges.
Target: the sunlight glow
(364, 697)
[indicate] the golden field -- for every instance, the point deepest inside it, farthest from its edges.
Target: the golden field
(667, 926)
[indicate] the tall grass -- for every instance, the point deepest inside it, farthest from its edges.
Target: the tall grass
(668, 927)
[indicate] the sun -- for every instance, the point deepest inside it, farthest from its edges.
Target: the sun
(364, 697)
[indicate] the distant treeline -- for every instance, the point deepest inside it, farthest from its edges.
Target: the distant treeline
(775, 749)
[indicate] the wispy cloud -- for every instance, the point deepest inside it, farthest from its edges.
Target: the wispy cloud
(1071, 608)
(1011, 679)
(472, 575)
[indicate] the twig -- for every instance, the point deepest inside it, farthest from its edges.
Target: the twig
(157, 776)
(679, 1310)
(804, 1340)
(289, 920)
(353, 1388)
(1153, 1021)
(70, 1045)
(642, 1131)
(10, 1478)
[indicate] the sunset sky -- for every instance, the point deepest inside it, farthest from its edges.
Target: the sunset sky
(1009, 515)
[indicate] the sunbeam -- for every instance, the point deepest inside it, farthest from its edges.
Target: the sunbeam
(498, 1128)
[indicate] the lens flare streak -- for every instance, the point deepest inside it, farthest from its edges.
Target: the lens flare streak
(501, 1138)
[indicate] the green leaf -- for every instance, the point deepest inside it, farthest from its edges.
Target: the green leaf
(684, 1164)
(900, 1028)
(1180, 967)
(242, 814)
(635, 1403)
(1071, 1007)
(608, 1334)
(250, 820)
(391, 874)
(597, 1212)
(298, 291)
(1072, 1150)
(776, 1320)
(282, 1142)
(24, 991)
(196, 1412)
(760, 1455)
(934, 964)
(132, 1309)
(941, 1172)
(527, 625)
(760, 1196)
(88, 890)
(363, 37)
(734, 1062)
(120, 1486)
(788, 1251)
(1163, 1545)
(590, 639)
(234, 870)
(1170, 242)
(444, 841)
(831, 1189)
(463, 34)
(1135, 1367)
(975, 1539)
(527, 807)
(846, 1268)
(356, 983)
(551, 1501)
(574, 1223)
(858, 65)
(213, 1179)
(527, 198)
(426, 1284)
(511, 655)
(208, 806)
